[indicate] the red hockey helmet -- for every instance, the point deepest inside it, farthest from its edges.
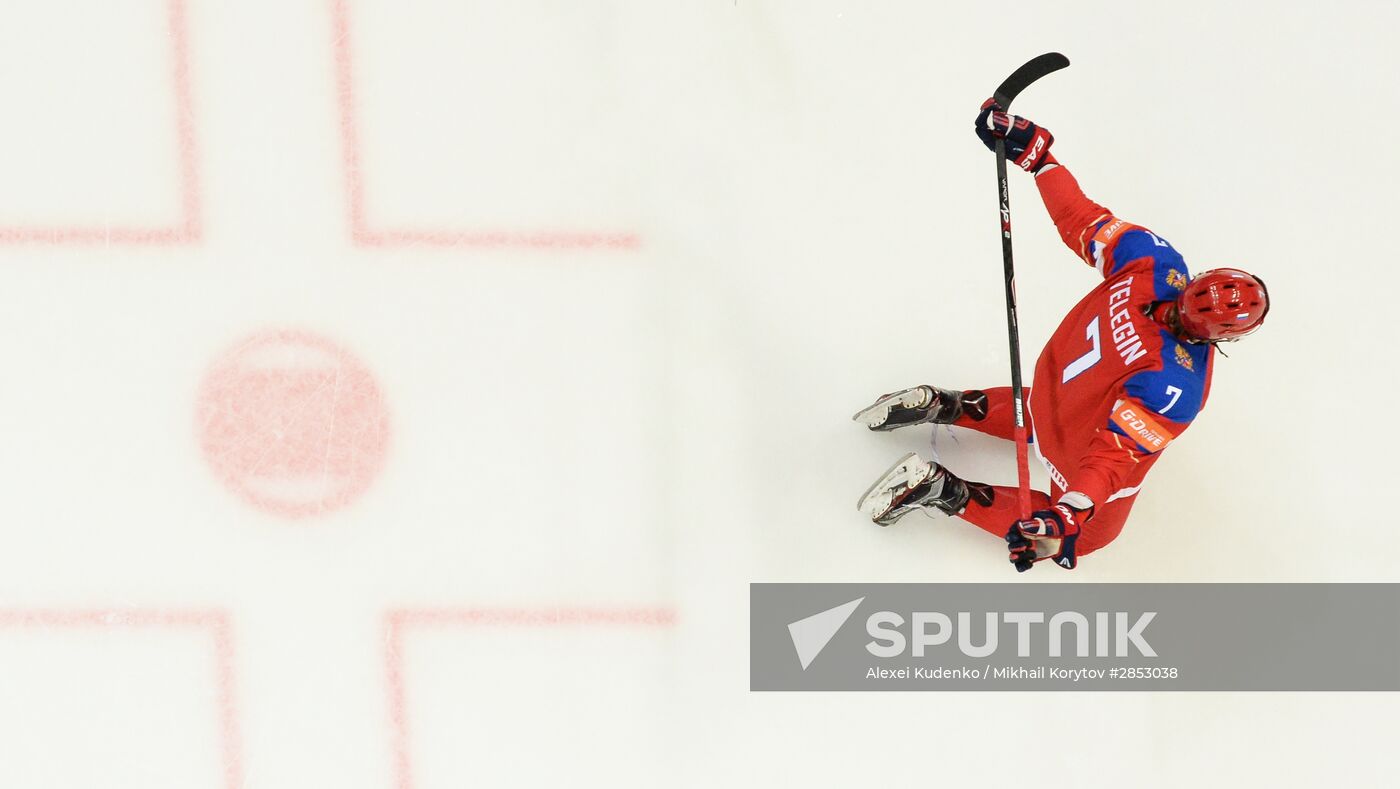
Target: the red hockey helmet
(1222, 304)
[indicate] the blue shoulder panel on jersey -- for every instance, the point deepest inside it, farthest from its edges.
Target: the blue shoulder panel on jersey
(1176, 389)
(1170, 274)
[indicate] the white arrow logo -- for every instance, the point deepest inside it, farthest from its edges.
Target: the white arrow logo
(811, 635)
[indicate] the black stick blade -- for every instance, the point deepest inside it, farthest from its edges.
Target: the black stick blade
(1021, 79)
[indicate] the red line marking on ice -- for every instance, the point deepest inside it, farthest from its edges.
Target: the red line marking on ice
(228, 717)
(184, 114)
(398, 620)
(360, 230)
(349, 135)
(398, 719)
(187, 229)
(214, 622)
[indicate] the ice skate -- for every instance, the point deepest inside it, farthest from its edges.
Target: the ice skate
(920, 405)
(910, 484)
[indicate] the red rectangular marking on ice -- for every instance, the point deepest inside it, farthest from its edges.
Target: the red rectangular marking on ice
(479, 156)
(99, 130)
(117, 698)
(474, 692)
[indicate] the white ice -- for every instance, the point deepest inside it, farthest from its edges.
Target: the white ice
(792, 216)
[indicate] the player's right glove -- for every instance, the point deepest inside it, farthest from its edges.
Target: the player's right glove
(1030, 540)
(1027, 145)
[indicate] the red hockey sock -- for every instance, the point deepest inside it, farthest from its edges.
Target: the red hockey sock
(1001, 415)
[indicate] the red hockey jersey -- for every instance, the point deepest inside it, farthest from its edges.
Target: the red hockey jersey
(1112, 388)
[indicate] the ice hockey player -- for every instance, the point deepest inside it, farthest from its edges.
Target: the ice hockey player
(1121, 378)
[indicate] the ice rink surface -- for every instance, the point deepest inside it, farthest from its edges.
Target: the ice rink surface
(402, 395)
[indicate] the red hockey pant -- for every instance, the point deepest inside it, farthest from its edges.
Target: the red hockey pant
(996, 519)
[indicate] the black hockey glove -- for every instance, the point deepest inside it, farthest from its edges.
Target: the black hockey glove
(1027, 145)
(1060, 522)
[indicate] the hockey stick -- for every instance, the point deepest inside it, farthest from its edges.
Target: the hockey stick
(1009, 89)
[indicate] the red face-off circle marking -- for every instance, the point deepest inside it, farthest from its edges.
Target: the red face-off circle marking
(292, 423)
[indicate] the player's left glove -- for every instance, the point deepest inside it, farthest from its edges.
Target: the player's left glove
(1027, 145)
(1047, 534)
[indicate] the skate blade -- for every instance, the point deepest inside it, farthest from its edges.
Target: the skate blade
(874, 415)
(907, 473)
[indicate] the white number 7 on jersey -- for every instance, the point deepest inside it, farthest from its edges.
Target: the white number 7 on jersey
(1091, 333)
(1175, 392)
